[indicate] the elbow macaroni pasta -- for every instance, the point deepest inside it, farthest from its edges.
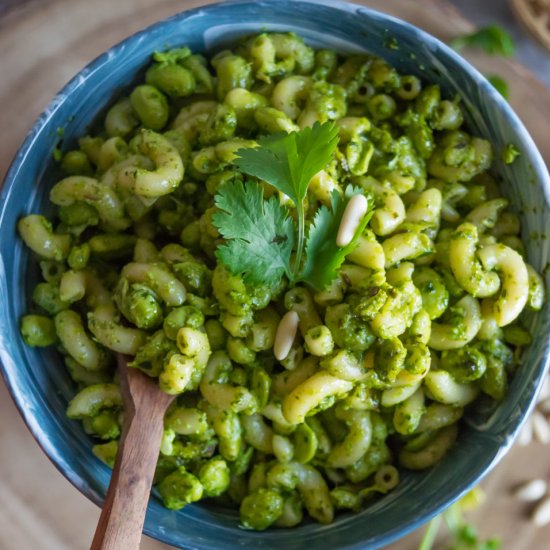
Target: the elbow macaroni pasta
(424, 316)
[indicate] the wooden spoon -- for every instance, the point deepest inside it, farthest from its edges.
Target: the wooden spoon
(121, 521)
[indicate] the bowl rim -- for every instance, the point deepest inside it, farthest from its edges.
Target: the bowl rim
(535, 157)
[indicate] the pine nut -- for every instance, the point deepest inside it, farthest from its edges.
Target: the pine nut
(531, 490)
(525, 436)
(286, 332)
(541, 429)
(353, 214)
(541, 514)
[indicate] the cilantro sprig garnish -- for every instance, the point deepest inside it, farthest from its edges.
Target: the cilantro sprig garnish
(288, 162)
(260, 234)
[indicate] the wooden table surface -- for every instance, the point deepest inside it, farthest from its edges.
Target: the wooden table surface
(42, 44)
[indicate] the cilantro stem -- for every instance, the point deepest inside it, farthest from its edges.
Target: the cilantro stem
(300, 245)
(430, 534)
(453, 518)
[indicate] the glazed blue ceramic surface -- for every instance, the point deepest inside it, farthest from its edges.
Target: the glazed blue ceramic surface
(37, 378)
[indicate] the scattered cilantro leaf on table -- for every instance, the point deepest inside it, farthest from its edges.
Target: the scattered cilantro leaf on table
(323, 256)
(259, 233)
(500, 84)
(464, 535)
(492, 39)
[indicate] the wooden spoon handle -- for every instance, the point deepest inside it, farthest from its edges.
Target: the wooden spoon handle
(121, 521)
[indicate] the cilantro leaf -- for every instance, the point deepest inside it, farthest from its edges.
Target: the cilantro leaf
(500, 84)
(492, 39)
(464, 535)
(259, 233)
(267, 162)
(323, 256)
(289, 161)
(430, 534)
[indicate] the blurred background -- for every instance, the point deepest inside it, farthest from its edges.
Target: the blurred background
(42, 44)
(530, 52)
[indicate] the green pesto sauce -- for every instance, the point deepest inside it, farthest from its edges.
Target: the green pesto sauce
(510, 153)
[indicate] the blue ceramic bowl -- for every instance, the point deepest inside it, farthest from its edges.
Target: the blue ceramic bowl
(37, 379)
